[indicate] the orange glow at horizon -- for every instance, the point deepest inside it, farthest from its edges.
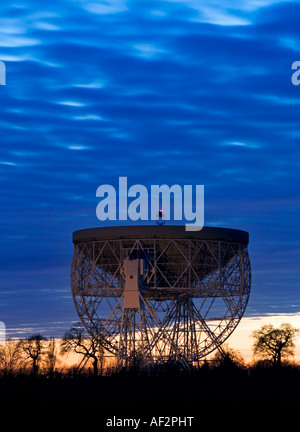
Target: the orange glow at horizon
(240, 340)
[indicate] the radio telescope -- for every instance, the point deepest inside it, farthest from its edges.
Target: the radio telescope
(157, 294)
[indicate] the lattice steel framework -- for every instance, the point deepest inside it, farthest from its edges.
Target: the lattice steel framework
(162, 295)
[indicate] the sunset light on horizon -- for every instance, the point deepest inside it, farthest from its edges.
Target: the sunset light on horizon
(150, 205)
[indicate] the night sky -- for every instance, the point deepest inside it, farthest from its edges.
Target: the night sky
(163, 92)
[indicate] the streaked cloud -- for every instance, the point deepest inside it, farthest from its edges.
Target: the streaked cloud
(167, 91)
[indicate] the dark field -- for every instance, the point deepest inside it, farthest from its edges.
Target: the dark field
(217, 399)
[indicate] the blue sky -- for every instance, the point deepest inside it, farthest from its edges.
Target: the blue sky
(174, 92)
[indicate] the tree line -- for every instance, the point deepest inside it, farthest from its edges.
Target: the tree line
(36, 354)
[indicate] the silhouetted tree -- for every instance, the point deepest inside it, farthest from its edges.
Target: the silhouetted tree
(228, 358)
(77, 341)
(274, 343)
(33, 348)
(9, 356)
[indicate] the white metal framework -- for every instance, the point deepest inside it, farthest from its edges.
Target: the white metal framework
(160, 294)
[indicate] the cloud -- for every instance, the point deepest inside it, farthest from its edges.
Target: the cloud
(164, 92)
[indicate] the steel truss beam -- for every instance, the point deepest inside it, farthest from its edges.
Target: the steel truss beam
(192, 296)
